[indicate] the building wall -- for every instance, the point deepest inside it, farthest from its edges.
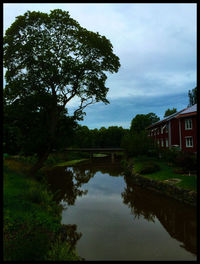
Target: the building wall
(189, 133)
(175, 132)
(158, 136)
(176, 135)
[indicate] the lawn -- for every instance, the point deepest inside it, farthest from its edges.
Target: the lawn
(31, 219)
(166, 172)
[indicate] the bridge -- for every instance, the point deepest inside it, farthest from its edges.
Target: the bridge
(112, 151)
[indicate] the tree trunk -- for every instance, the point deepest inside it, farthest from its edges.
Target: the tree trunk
(42, 157)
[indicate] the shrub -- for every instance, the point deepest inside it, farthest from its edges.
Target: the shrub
(169, 154)
(186, 161)
(137, 144)
(149, 167)
(60, 251)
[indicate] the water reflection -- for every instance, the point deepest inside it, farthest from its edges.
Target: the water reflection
(65, 183)
(69, 234)
(179, 220)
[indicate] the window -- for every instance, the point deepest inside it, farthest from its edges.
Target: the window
(189, 142)
(161, 130)
(167, 143)
(158, 142)
(166, 129)
(162, 143)
(158, 131)
(188, 124)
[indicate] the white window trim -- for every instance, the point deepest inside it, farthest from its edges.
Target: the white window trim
(187, 122)
(186, 142)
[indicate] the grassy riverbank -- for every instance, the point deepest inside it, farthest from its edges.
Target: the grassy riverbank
(32, 219)
(166, 172)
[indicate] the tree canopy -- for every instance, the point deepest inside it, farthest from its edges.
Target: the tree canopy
(141, 121)
(50, 60)
(192, 94)
(169, 112)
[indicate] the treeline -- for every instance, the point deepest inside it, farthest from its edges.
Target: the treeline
(103, 137)
(25, 138)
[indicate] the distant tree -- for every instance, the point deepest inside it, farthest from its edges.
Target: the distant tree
(141, 121)
(103, 137)
(138, 143)
(169, 112)
(53, 57)
(192, 96)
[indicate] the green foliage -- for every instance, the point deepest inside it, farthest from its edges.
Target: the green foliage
(31, 221)
(103, 137)
(169, 112)
(149, 167)
(49, 60)
(138, 144)
(60, 251)
(169, 154)
(192, 94)
(187, 161)
(166, 172)
(140, 122)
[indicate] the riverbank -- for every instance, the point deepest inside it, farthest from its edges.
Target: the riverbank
(32, 228)
(162, 179)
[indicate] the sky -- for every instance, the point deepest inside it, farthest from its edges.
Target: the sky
(157, 48)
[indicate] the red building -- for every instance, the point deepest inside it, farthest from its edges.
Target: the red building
(188, 129)
(178, 129)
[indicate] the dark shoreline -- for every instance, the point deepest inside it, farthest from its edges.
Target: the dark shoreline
(188, 197)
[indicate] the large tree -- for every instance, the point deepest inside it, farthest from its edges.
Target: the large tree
(141, 121)
(53, 57)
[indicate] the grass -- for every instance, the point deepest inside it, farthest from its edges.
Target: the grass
(99, 155)
(166, 172)
(59, 158)
(31, 219)
(69, 162)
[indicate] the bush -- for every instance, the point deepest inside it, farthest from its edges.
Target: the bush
(60, 251)
(169, 154)
(137, 144)
(186, 161)
(148, 167)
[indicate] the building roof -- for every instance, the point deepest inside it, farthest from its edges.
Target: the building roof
(174, 115)
(192, 110)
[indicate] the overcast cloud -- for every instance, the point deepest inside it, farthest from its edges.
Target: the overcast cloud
(156, 44)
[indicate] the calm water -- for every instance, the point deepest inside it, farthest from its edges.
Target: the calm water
(109, 218)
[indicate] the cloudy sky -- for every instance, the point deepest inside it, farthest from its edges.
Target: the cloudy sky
(156, 44)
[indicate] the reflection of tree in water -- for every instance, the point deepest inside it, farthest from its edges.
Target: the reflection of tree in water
(178, 219)
(68, 233)
(103, 165)
(136, 204)
(65, 183)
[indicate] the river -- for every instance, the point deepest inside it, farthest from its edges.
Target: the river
(109, 218)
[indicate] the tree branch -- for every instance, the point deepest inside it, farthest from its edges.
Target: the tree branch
(82, 106)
